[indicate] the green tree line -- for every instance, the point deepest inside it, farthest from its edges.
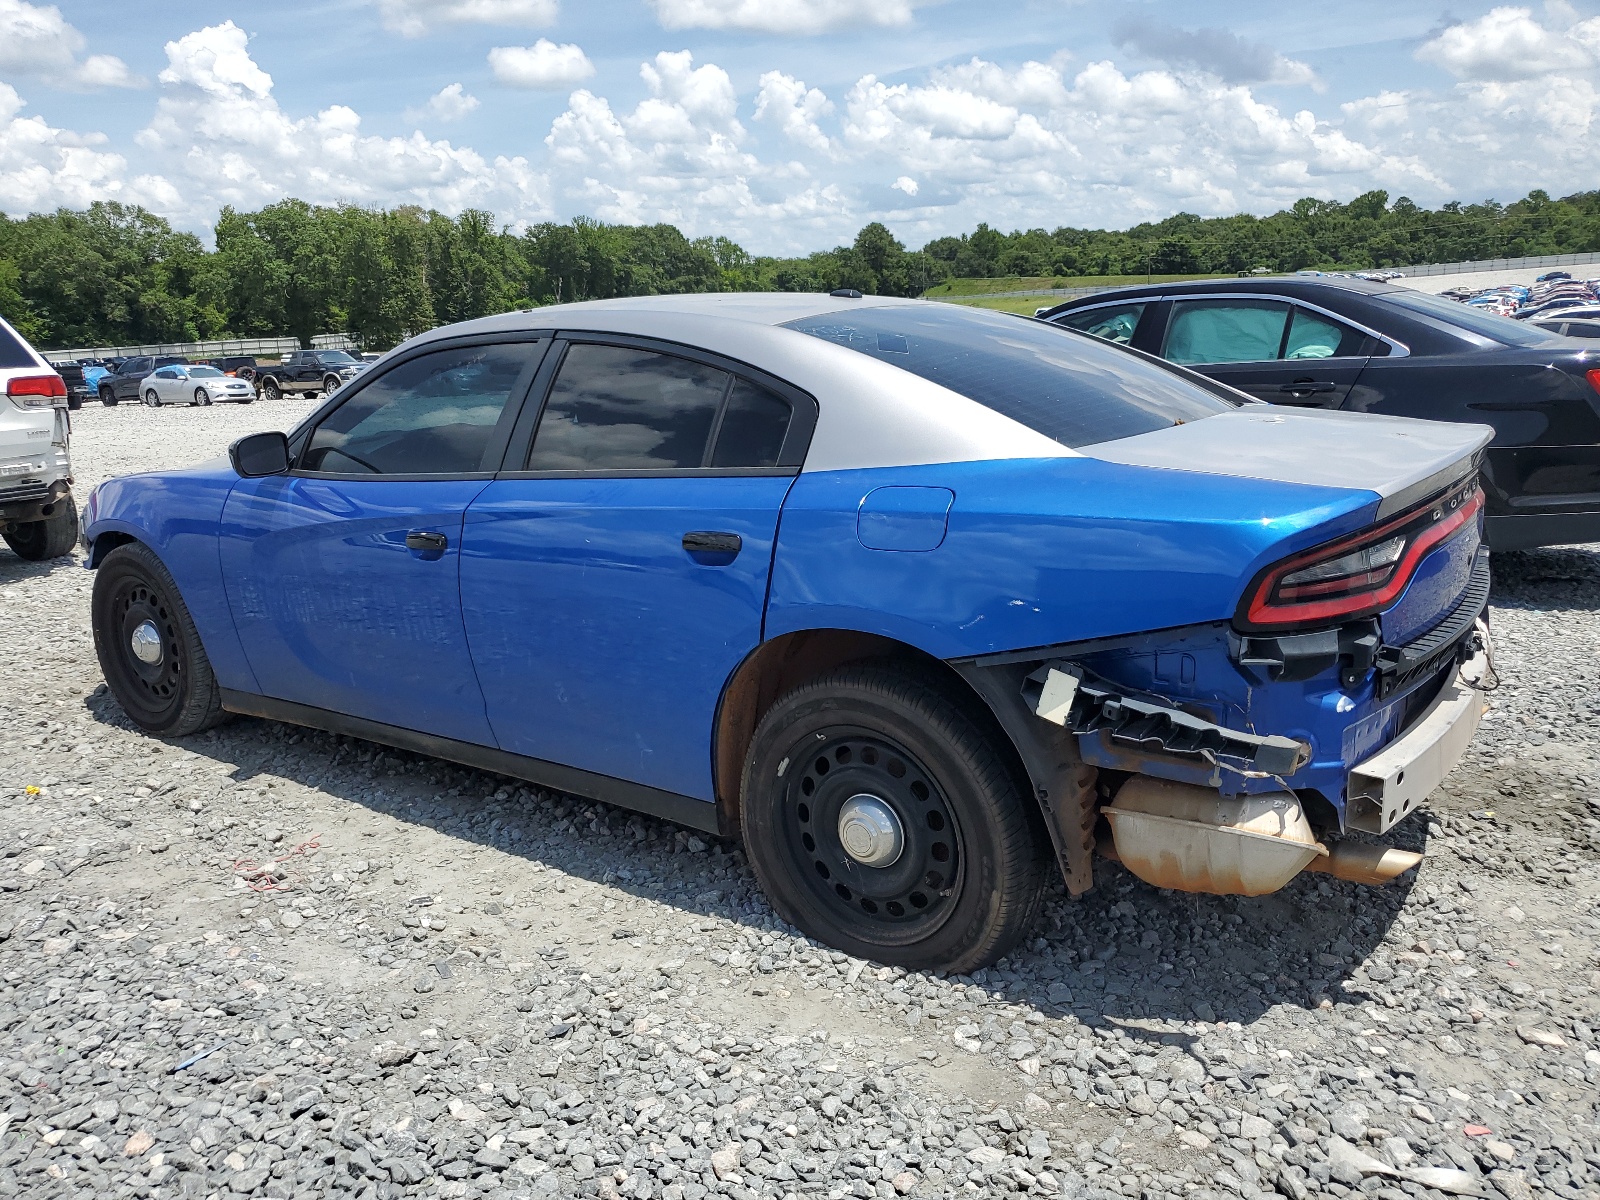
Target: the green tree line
(116, 274)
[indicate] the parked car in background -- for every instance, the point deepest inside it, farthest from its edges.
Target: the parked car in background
(94, 370)
(308, 372)
(38, 516)
(1578, 327)
(1359, 346)
(78, 389)
(920, 599)
(178, 383)
(369, 357)
(241, 366)
(126, 382)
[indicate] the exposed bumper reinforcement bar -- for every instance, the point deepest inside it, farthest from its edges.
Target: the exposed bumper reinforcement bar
(1386, 787)
(1058, 692)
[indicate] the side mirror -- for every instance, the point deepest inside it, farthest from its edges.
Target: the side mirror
(260, 454)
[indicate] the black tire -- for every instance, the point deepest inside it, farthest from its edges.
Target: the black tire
(108, 397)
(270, 389)
(151, 400)
(330, 384)
(971, 872)
(177, 695)
(53, 537)
(202, 397)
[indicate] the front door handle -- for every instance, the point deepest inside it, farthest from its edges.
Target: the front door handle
(426, 540)
(712, 546)
(1306, 387)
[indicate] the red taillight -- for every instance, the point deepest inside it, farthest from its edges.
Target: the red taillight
(37, 385)
(1358, 575)
(1594, 379)
(37, 391)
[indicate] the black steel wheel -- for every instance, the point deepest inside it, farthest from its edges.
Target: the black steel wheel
(108, 396)
(148, 646)
(882, 819)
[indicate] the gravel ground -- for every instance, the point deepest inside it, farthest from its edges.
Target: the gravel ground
(408, 979)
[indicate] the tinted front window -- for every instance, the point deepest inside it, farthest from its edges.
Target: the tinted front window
(434, 414)
(1475, 320)
(614, 408)
(1073, 389)
(337, 358)
(1225, 331)
(204, 373)
(1111, 323)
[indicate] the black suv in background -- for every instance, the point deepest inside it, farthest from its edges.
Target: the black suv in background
(123, 383)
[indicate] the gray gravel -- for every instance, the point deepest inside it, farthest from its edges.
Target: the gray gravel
(269, 962)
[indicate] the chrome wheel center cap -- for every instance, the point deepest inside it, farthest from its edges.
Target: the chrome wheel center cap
(870, 832)
(146, 643)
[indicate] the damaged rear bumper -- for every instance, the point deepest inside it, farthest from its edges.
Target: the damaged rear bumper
(1384, 789)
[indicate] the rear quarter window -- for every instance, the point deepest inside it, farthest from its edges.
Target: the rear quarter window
(14, 351)
(1071, 387)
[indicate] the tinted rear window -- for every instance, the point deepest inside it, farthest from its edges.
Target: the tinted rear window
(1070, 387)
(13, 352)
(1504, 330)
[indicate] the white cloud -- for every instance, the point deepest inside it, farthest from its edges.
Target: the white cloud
(1508, 44)
(449, 103)
(43, 168)
(413, 18)
(905, 184)
(220, 132)
(38, 40)
(794, 108)
(783, 16)
(541, 65)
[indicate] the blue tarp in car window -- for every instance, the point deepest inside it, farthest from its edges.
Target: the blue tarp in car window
(1225, 331)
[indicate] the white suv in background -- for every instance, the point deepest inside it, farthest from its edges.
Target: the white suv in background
(38, 518)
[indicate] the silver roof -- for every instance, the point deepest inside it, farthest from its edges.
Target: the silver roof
(870, 413)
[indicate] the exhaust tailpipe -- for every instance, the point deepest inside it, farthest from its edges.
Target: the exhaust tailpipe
(1360, 862)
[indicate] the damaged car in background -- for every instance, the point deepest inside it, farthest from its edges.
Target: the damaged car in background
(922, 601)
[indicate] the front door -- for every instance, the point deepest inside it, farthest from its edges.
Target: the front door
(344, 576)
(613, 585)
(1276, 351)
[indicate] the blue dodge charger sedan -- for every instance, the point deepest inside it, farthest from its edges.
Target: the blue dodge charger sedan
(922, 601)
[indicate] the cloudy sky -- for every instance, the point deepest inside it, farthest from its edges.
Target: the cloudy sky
(787, 124)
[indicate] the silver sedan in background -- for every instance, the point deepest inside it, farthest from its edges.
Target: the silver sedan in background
(180, 383)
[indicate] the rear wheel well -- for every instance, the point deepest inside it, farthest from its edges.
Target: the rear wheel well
(786, 662)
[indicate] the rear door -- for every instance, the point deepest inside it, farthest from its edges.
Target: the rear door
(613, 582)
(344, 576)
(130, 375)
(1280, 352)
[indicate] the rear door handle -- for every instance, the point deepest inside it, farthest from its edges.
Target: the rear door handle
(426, 540)
(711, 544)
(1306, 387)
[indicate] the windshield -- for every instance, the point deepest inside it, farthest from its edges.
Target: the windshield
(1476, 320)
(336, 356)
(204, 373)
(1068, 386)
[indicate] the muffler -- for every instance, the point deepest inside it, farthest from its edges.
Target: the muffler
(1193, 839)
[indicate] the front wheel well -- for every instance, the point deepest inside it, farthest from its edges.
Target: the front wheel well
(784, 663)
(106, 543)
